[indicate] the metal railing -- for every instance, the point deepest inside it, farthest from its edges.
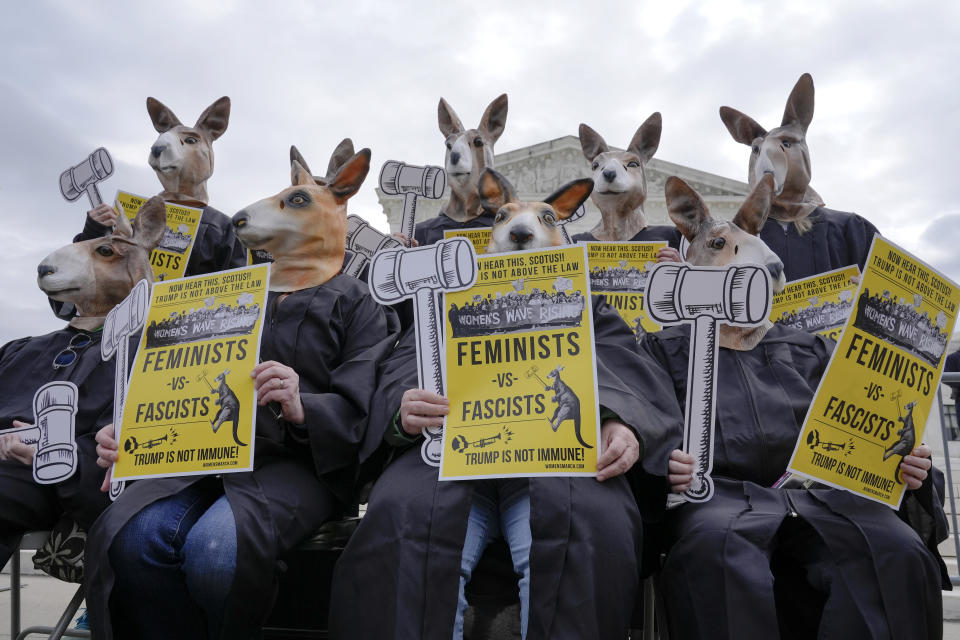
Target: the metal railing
(950, 379)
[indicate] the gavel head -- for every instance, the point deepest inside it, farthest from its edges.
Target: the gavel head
(125, 319)
(528, 225)
(364, 239)
(736, 295)
(98, 274)
(398, 178)
(397, 274)
(96, 167)
(55, 406)
(716, 243)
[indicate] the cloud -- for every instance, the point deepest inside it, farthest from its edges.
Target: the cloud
(307, 73)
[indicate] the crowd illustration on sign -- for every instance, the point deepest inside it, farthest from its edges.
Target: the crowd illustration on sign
(513, 311)
(203, 324)
(903, 324)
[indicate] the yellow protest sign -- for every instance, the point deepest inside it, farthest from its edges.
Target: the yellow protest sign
(873, 401)
(480, 237)
(520, 370)
(169, 259)
(819, 304)
(190, 408)
(618, 270)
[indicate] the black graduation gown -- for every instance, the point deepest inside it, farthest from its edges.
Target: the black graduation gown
(952, 365)
(430, 231)
(716, 579)
(25, 366)
(216, 248)
(837, 239)
(655, 233)
(399, 573)
(333, 336)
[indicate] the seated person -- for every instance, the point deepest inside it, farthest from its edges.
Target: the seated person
(763, 562)
(574, 542)
(198, 556)
(94, 276)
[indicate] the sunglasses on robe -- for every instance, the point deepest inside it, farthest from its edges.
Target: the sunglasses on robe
(69, 354)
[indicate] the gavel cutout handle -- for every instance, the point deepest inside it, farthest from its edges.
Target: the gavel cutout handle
(429, 362)
(701, 390)
(408, 221)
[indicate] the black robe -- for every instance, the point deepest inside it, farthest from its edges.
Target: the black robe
(216, 248)
(333, 336)
(25, 366)
(837, 239)
(430, 231)
(716, 580)
(398, 577)
(656, 233)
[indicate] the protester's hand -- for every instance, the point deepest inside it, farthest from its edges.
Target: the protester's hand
(621, 450)
(668, 254)
(14, 450)
(107, 452)
(275, 382)
(104, 214)
(420, 409)
(680, 471)
(914, 468)
(402, 239)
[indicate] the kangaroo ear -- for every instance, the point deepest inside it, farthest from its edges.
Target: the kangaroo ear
(494, 119)
(742, 127)
(300, 175)
(296, 156)
(215, 118)
(569, 197)
(495, 190)
(163, 119)
(647, 138)
(592, 143)
(350, 176)
(685, 206)
(753, 212)
(341, 154)
(799, 109)
(448, 120)
(150, 223)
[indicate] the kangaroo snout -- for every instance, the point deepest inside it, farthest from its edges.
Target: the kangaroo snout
(454, 158)
(45, 270)
(157, 149)
(609, 175)
(521, 234)
(240, 219)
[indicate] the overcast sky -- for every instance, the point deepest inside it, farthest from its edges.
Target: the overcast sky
(75, 76)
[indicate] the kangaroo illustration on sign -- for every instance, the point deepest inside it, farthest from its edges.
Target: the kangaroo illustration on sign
(568, 404)
(229, 406)
(908, 438)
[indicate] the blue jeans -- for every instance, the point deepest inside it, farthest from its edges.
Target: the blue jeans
(174, 564)
(499, 507)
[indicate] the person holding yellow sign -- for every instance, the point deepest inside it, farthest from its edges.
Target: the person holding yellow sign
(798, 561)
(197, 556)
(575, 542)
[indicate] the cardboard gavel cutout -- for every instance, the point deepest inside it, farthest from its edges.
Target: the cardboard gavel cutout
(421, 273)
(123, 321)
(412, 181)
(576, 215)
(363, 241)
(54, 428)
(738, 295)
(83, 178)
